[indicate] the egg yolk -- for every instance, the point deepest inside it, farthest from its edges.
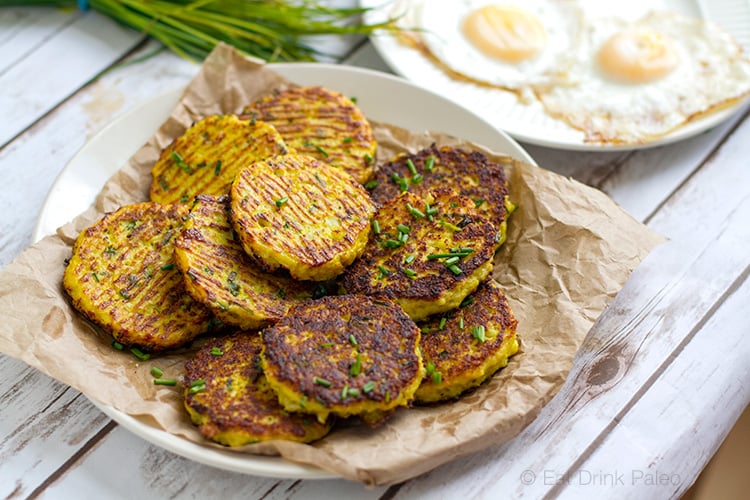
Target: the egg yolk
(505, 32)
(637, 56)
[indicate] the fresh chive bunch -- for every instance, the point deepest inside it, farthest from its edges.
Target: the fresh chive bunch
(273, 30)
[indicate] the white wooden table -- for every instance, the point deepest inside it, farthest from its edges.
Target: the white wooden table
(657, 385)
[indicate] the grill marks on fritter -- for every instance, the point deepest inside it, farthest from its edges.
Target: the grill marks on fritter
(237, 406)
(322, 123)
(346, 355)
(221, 275)
(297, 213)
(466, 346)
(122, 276)
(468, 173)
(208, 156)
(408, 272)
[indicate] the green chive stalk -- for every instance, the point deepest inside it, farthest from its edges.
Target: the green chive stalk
(272, 30)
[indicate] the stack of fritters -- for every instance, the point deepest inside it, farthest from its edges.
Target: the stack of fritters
(255, 219)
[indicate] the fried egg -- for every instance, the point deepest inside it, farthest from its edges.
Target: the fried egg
(512, 44)
(638, 80)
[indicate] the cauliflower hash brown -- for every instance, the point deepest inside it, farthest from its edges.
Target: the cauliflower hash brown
(296, 213)
(208, 156)
(426, 253)
(122, 276)
(247, 226)
(219, 274)
(228, 397)
(469, 173)
(322, 123)
(344, 355)
(465, 347)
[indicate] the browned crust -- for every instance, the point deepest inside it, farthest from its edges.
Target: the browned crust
(432, 278)
(315, 340)
(469, 173)
(237, 400)
(122, 277)
(455, 351)
(220, 274)
(322, 123)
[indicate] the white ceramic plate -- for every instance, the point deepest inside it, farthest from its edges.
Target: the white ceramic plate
(529, 123)
(382, 97)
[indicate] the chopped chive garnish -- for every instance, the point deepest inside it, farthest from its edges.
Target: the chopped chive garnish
(410, 272)
(387, 396)
(455, 269)
(216, 351)
(282, 201)
(411, 166)
(167, 267)
(384, 271)
(180, 162)
(322, 381)
(452, 260)
(429, 164)
(434, 256)
(321, 151)
(430, 367)
(217, 168)
(416, 178)
(352, 340)
(117, 345)
(140, 354)
(466, 302)
(356, 367)
(478, 333)
(402, 237)
(450, 226)
(368, 387)
(197, 386)
(443, 320)
(344, 392)
(165, 381)
(460, 323)
(403, 228)
(415, 211)
(368, 158)
(353, 391)
(347, 140)
(478, 203)
(392, 243)
(327, 344)
(371, 184)
(437, 378)
(96, 277)
(409, 259)
(466, 250)
(156, 371)
(375, 226)
(402, 184)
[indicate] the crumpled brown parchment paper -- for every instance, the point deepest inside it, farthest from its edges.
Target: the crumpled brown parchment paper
(570, 249)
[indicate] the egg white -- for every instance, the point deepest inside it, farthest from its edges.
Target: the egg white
(441, 24)
(711, 72)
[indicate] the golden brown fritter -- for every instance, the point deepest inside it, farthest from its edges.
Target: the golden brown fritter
(343, 355)
(296, 213)
(466, 346)
(426, 253)
(469, 173)
(208, 156)
(229, 399)
(122, 276)
(322, 123)
(219, 274)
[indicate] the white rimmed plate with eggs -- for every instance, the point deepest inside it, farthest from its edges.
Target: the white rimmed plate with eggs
(577, 74)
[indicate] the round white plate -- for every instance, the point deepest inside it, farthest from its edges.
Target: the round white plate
(529, 123)
(381, 97)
